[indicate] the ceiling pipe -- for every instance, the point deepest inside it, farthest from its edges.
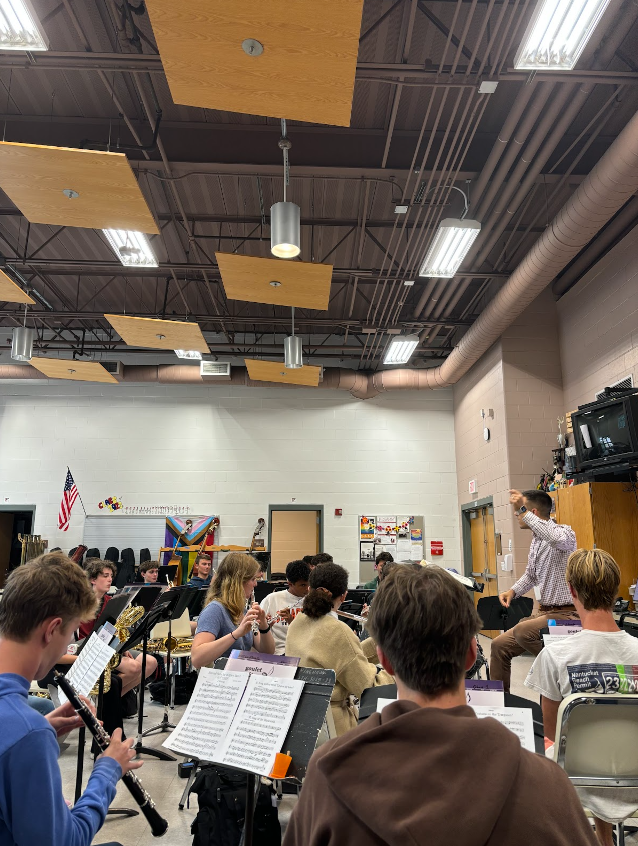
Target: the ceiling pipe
(626, 218)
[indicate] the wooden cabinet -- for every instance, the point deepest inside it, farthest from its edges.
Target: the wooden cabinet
(603, 515)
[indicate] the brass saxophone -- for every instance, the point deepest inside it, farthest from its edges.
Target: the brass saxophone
(124, 622)
(177, 644)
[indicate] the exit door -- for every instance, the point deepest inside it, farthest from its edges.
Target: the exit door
(484, 554)
(294, 532)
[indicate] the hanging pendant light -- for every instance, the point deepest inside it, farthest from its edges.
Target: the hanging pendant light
(285, 217)
(22, 341)
(293, 348)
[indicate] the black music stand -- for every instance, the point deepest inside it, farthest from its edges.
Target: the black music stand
(143, 629)
(496, 616)
(300, 741)
(143, 595)
(264, 589)
(167, 573)
(173, 602)
(370, 697)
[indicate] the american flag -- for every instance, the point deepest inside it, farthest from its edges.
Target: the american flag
(68, 498)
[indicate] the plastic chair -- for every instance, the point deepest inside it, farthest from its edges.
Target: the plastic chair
(597, 742)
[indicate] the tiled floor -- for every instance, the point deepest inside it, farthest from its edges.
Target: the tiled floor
(162, 782)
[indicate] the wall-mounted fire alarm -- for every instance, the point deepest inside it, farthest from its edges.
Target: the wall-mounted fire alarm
(338, 512)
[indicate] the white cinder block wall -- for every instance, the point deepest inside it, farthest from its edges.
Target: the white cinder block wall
(232, 451)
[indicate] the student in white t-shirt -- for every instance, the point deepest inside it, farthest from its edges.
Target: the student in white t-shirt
(599, 659)
(282, 606)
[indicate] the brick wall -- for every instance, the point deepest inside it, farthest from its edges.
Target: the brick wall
(232, 451)
(599, 325)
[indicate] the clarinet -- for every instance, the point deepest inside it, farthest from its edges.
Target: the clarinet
(158, 825)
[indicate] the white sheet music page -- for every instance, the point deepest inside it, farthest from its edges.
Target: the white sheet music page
(261, 724)
(209, 713)
(88, 666)
(518, 720)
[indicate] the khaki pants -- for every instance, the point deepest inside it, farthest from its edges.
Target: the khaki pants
(524, 637)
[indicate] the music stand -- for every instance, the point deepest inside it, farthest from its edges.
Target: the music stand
(264, 589)
(300, 741)
(370, 697)
(496, 616)
(360, 596)
(143, 629)
(167, 573)
(196, 602)
(143, 595)
(174, 602)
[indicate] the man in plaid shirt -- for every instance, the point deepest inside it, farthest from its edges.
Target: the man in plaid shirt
(550, 548)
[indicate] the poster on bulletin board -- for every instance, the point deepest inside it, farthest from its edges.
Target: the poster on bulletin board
(400, 535)
(367, 527)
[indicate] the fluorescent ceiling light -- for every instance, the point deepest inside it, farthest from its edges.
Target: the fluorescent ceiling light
(20, 28)
(449, 247)
(132, 248)
(400, 349)
(189, 354)
(557, 33)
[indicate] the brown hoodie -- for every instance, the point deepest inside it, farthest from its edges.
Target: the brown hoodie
(414, 776)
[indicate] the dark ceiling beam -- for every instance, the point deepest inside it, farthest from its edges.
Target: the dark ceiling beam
(147, 63)
(380, 20)
(66, 267)
(438, 23)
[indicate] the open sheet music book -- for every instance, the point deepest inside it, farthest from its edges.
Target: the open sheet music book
(89, 665)
(237, 719)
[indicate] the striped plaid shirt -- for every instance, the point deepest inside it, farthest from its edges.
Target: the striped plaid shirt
(547, 561)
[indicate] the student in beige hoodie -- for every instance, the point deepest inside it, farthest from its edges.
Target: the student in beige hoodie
(320, 639)
(426, 771)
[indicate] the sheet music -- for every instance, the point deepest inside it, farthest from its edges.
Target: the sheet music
(381, 703)
(88, 666)
(261, 724)
(209, 713)
(518, 720)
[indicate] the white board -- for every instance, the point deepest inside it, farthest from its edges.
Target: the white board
(120, 531)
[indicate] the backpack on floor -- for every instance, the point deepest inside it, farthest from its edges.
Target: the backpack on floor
(184, 687)
(221, 795)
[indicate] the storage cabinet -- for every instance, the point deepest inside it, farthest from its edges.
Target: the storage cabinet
(603, 515)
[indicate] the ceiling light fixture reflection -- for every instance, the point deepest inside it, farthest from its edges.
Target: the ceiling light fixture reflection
(133, 249)
(557, 34)
(189, 354)
(400, 349)
(20, 28)
(449, 247)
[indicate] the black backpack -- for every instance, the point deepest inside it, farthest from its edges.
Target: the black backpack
(221, 795)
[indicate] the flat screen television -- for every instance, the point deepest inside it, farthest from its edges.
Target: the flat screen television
(605, 433)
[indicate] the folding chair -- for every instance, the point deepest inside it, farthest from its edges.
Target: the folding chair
(597, 742)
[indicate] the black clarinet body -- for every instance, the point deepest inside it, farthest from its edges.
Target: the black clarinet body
(158, 824)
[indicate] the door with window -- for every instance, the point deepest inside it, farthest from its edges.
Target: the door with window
(294, 532)
(484, 554)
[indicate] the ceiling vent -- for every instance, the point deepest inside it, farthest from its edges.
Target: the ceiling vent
(115, 368)
(621, 385)
(214, 370)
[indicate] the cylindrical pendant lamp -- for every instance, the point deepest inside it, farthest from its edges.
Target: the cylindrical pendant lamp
(22, 344)
(293, 352)
(285, 230)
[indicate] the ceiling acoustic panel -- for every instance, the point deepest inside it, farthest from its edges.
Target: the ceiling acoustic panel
(276, 371)
(158, 334)
(291, 59)
(43, 183)
(76, 371)
(12, 293)
(275, 281)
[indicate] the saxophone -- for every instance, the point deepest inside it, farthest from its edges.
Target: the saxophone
(123, 624)
(178, 645)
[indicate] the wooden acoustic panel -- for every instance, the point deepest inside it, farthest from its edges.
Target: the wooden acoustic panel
(158, 334)
(34, 178)
(276, 371)
(305, 72)
(12, 293)
(303, 284)
(76, 371)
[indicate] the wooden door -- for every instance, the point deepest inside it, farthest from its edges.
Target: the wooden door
(293, 534)
(6, 533)
(484, 555)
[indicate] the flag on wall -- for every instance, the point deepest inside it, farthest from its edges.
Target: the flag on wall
(69, 496)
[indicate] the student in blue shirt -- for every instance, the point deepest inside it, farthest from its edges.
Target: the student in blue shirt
(204, 571)
(226, 623)
(44, 602)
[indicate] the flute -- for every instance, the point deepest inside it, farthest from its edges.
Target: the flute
(255, 624)
(157, 823)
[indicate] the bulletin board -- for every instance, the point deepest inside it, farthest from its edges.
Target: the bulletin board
(399, 534)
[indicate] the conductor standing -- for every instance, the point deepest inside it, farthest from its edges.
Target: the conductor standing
(551, 546)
